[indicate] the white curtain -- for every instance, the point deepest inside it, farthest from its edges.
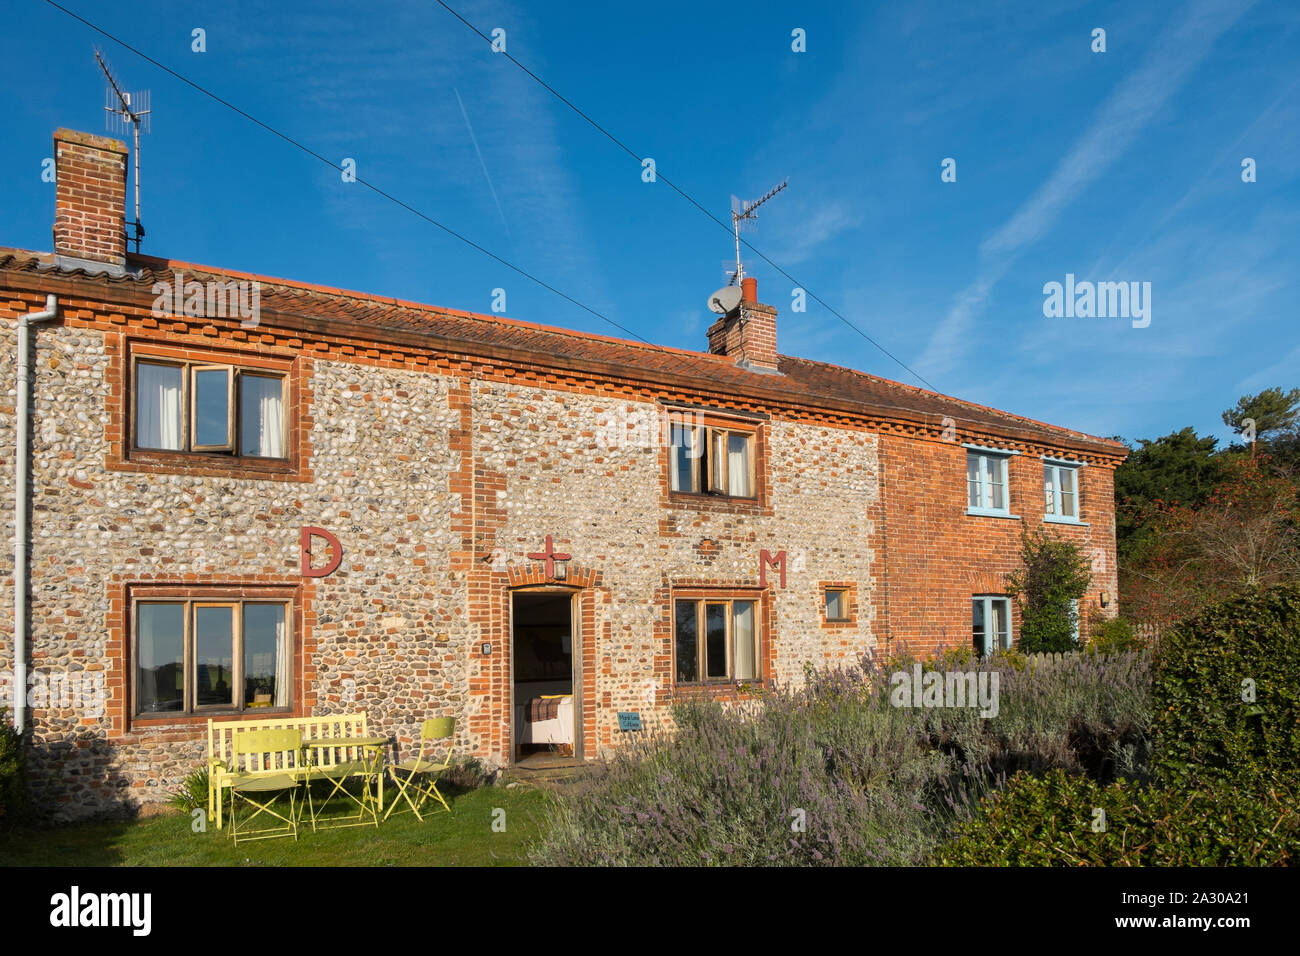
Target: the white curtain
(281, 663)
(158, 406)
(742, 635)
(738, 465)
(263, 416)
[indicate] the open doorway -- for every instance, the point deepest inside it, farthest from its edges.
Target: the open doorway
(547, 696)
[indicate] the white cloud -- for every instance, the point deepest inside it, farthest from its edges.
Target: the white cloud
(1118, 122)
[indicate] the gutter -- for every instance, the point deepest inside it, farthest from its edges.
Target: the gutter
(22, 454)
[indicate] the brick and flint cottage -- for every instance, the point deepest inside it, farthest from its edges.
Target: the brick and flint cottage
(248, 496)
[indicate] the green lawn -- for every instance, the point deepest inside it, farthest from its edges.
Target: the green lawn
(464, 837)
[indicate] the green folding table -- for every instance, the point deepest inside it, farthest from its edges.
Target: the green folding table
(367, 764)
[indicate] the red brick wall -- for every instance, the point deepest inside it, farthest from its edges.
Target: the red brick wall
(749, 334)
(937, 557)
(90, 203)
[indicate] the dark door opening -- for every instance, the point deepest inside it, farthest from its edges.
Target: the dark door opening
(547, 698)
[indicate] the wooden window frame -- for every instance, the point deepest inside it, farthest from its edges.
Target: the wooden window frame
(702, 600)
(190, 708)
(709, 474)
(232, 414)
(228, 451)
(850, 600)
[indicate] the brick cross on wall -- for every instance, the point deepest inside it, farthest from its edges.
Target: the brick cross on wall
(551, 556)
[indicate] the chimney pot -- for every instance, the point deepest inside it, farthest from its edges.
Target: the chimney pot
(749, 289)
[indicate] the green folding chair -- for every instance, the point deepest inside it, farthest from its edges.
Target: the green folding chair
(417, 780)
(260, 787)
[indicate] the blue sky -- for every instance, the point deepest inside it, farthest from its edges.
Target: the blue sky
(1115, 166)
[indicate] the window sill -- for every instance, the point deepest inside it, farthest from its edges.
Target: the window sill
(708, 496)
(691, 499)
(182, 720)
(1053, 519)
(719, 689)
(982, 513)
(209, 465)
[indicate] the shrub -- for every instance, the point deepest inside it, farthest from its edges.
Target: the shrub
(13, 773)
(1052, 573)
(730, 789)
(192, 794)
(1052, 821)
(875, 783)
(465, 773)
(1113, 635)
(1081, 713)
(1210, 665)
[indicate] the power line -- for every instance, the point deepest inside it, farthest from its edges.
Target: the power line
(399, 202)
(690, 199)
(372, 187)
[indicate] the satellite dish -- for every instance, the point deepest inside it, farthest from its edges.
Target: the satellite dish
(725, 299)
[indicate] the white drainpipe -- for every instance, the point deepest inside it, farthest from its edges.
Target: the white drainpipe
(22, 453)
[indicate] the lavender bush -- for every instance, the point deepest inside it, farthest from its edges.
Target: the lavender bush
(832, 774)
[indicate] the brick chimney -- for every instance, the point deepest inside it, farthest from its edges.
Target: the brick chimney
(748, 332)
(90, 201)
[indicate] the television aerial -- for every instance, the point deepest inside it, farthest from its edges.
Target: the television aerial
(127, 109)
(743, 216)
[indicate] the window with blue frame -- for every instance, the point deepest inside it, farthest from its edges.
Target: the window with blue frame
(990, 623)
(987, 489)
(1061, 491)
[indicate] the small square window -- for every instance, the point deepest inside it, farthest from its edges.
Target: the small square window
(837, 604)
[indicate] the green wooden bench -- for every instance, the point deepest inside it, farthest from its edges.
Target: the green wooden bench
(223, 763)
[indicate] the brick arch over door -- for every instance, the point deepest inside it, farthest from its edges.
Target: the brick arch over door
(491, 693)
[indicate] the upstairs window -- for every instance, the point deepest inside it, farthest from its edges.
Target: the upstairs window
(712, 460)
(1061, 491)
(986, 483)
(200, 407)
